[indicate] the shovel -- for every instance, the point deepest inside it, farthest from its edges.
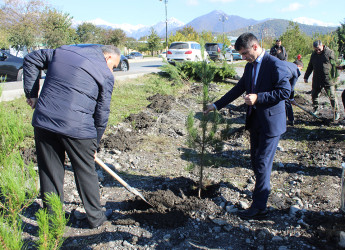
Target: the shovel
(119, 179)
(308, 111)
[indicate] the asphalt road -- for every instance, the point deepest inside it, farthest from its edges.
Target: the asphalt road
(137, 67)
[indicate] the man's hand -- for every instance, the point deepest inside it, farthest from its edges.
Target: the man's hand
(306, 80)
(293, 102)
(209, 108)
(31, 102)
(250, 99)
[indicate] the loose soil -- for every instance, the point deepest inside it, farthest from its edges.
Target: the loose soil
(148, 150)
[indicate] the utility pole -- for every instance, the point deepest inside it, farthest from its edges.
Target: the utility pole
(223, 18)
(166, 24)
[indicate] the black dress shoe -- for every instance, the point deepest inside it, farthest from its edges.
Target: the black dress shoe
(108, 213)
(253, 214)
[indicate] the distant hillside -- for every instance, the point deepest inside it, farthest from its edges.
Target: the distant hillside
(211, 22)
(276, 27)
(233, 26)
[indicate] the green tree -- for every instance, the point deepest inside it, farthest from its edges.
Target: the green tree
(204, 139)
(295, 42)
(21, 20)
(131, 43)
(89, 33)
(153, 41)
(341, 38)
(116, 37)
(4, 38)
(57, 30)
(206, 36)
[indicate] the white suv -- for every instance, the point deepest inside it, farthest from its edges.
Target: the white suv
(185, 51)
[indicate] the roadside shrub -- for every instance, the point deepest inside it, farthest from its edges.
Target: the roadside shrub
(191, 71)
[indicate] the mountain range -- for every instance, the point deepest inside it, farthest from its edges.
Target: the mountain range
(217, 22)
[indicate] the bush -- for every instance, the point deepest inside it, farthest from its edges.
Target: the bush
(191, 71)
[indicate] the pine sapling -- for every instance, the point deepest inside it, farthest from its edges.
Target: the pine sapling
(51, 223)
(201, 143)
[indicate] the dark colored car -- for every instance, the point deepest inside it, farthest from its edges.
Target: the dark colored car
(235, 54)
(123, 65)
(11, 67)
(214, 50)
(135, 55)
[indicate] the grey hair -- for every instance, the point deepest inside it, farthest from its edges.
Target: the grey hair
(111, 49)
(317, 43)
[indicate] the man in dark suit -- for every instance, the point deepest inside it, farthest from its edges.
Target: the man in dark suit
(266, 83)
(70, 116)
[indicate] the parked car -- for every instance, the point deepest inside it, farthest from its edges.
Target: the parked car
(135, 55)
(215, 52)
(123, 65)
(163, 55)
(236, 55)
(184, 51)
(11, 67)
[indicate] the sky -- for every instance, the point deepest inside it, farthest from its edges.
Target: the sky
(150, 12)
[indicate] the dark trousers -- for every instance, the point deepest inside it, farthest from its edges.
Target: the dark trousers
(262, 151)
(289, 110)
(343, 98)
(51, 148)
(330, 92)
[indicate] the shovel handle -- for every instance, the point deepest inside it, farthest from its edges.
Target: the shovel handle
(112, 173)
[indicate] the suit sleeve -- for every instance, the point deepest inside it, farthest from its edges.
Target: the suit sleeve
(33, 64)
(102, 110)
(232, 94)
(281, 88)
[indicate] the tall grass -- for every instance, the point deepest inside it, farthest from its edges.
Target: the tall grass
(18, 181)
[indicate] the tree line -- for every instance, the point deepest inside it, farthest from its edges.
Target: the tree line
(32, 24)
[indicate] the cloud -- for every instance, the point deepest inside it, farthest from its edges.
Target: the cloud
(192, 2)
(265, 1)
(221, 1)
(314, 3)
(292, 7)
(311, 21)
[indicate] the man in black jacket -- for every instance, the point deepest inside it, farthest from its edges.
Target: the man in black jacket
(70, 116)
(279, 51)
(320, 65)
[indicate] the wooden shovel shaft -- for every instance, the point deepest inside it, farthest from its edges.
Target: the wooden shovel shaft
(119, 179)
(112, 173)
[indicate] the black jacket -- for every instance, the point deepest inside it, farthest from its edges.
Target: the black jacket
(75, 97)
(282, 56)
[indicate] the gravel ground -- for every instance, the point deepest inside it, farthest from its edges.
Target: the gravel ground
(149, 152)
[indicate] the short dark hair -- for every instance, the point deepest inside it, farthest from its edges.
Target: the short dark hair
(298, 63)
(245, 40)
(278, 40)
(317, 43)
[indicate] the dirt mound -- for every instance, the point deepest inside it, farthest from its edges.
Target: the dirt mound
(141, 120)
(161, 103)
(120, 140)
(29, 155)
(171, 208)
